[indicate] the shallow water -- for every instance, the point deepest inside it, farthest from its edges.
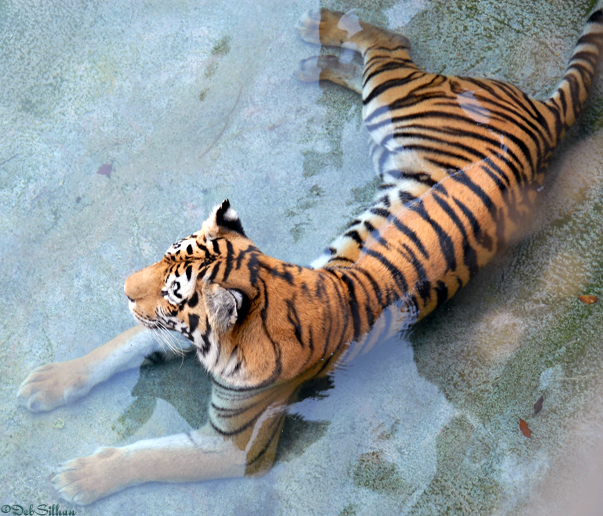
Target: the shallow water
(193, 102)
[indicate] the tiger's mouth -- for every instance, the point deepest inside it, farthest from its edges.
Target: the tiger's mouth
(151, 324)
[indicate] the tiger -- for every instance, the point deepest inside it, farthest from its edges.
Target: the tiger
(461, 162)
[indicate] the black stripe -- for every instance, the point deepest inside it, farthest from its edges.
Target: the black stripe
(585, 55)
(215, 246)
(410, 234)
(335, 280)
(396, 274)
(596, 17)
(214, 272)
(374, 285)
(446, 244)
(294, 320)
(193, 322)
(354, 236)
(276, 425)
(388, 66)
(370, 316)
(385, 201)
(483, 238)
(353, 304)
(194, 299)
(405, 197)
(369, 227)
(420, 177)
(229, 257)
(461, 177)
(381, 212)
(422, 285)
(384, 86)
(441, 290)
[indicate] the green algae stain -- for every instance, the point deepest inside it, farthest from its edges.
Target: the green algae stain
(220, 49)
(341, 106)
(592, 118)
(316, 162)
(348, 510)
(363, 195)
(306, 202)
(222, 46)
(457, 489)
(298, 230)
(211, 69)
(372, 11)
(373, 472)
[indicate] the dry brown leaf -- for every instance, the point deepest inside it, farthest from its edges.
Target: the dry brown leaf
(538, 405)
(525, 429)
(588, 300)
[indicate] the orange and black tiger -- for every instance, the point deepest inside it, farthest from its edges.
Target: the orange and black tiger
(461, 161)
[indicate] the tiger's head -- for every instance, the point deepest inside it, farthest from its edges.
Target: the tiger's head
(233, 302)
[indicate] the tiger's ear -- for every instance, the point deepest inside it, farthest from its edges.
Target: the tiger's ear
(223, 218)
(224, 307)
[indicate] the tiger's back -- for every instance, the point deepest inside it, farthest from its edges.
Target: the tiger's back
(426, 127)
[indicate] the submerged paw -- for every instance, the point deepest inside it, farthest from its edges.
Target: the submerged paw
(86, 479)
(50, 386)
(308, 26)
(308, 70)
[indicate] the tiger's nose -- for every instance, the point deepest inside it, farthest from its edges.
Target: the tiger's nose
(144, 283)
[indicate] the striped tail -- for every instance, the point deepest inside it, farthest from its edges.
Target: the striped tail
(573, 90)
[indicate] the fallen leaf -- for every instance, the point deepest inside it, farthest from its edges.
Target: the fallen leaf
(105, 170)
(588, 300)
(538, 405)
(525, 429)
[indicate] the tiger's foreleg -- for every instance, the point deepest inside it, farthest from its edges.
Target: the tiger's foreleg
(194, 456)
(56, 384)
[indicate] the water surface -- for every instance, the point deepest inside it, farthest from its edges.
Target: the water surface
(192, 102)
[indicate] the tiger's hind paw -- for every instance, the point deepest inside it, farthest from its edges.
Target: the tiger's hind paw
(308, 70)
(330, 68)
(308, 26)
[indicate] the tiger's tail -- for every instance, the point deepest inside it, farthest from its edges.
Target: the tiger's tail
(572, 92)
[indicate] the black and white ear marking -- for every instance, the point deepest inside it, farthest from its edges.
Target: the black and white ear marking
(228, 218)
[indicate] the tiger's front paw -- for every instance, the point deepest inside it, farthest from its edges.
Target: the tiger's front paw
(53, 385)
(87, 479)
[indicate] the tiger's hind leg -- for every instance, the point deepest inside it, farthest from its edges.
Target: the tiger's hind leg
(329, 68)
(382, 51)
(335, 29)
